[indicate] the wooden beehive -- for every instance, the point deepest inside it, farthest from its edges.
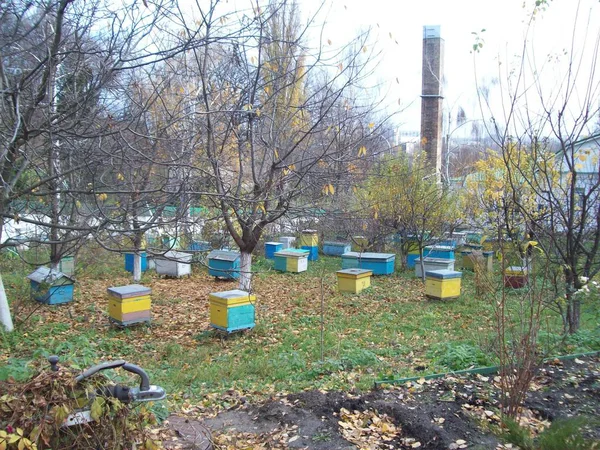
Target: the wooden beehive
(516, 277)
(129, 305)
(67, 265)
(224, 264)
(291, 260)
(309, 238)
(232, 310)
(442, 284)
(51, 286)
(439, 251)
(129, 261)
(433, 264)
(353, 280)
(271, 248)
(378, 263)
(333, 248)
(287, 241)
(174, 264)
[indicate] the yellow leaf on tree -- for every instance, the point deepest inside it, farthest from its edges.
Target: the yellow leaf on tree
(120, 176)
(582, 157)
(362, 151)
(276, 154)
(371, 125)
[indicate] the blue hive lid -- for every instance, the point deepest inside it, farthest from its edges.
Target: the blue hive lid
(443, 274)
(273, 243)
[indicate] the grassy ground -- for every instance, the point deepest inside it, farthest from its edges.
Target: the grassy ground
(389, 330)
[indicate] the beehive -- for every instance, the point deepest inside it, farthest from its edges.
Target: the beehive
(468, 259)
(287, 241)
(50, 286)
(515, 277)
(460, 236)
(439, 251)
(442, 284)
(378, 263)
(199, 246)
(353, 280)
(313, 252)
(174, 264)
(291, 260)
(128, 305)
(232, 310)
(129, 261)
(359, 243)
(67, 265)
(224, 264)
(333, 248)
(433, 264)
(488, 261)
(309, 238)
(271, 248)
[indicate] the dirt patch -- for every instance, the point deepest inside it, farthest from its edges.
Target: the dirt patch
(449, 413)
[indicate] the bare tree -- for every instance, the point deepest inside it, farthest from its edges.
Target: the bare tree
(266, 114)
(550, 148)
(61, 63)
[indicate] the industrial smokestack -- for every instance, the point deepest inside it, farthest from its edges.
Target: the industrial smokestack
(431, 96)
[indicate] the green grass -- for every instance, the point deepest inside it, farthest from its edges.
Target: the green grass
(388, 330)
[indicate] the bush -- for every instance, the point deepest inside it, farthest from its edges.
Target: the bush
(33, 414)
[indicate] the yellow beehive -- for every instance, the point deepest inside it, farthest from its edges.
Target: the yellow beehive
(309, 238)
(129, 304)
(232, 310)
(354, 280)
(442, 284)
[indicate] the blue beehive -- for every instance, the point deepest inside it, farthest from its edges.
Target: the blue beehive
(129, 262)
(378, 263)
(51, 286)
(411, 258)
(332, 248)
(313, 252)
(439, 251)
(271, 248)
(224, 264)
(199, 246)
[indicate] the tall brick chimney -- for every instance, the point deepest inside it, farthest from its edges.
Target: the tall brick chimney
(431, 95)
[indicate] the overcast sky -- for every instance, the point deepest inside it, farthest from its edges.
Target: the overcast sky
(504, 22)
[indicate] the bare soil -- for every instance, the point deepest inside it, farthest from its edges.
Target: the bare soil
(448, 413)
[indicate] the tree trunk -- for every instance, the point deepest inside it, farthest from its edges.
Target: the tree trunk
(246, 271)
(573, 313)
(137, 266)
(422, 263)
(5, 317)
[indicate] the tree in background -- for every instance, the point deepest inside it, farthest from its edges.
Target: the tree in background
(405, 197)
(61, 63)
(549, 147)
(266, 118)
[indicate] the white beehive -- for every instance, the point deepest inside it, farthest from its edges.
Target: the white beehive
(174, 264)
